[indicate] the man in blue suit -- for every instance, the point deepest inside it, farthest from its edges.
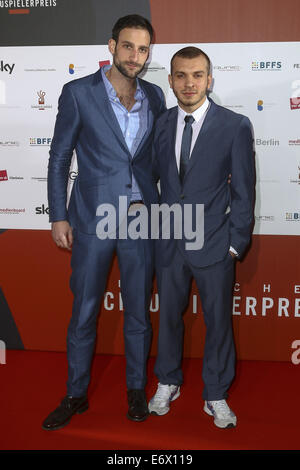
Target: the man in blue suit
(197, 146)
(107, 117)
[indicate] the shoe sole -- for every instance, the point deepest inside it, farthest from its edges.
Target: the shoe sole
(155, 413)
(137, 420)
(78, 412)
(228, 426)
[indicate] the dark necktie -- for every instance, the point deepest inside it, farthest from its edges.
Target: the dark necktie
(186, 146)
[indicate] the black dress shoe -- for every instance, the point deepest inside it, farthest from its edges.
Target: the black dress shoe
(62, 415)
(138, 408)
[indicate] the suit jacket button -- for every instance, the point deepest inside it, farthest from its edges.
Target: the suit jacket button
(128, 185)
(181, 196)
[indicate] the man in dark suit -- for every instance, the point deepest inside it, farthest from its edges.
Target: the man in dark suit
(107, 117)
(197, 145)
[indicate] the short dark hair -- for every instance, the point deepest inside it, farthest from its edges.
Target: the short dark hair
(131, 21)
(191, 52)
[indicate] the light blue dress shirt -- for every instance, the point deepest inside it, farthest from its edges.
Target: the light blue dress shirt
(133, 123)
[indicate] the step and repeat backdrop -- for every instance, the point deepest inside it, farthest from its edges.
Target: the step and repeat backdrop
(249, 78)
(43, 47)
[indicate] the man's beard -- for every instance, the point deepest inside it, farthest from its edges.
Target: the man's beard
(190, 103)
(121, 67)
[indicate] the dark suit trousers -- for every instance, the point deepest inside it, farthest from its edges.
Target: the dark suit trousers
(214, 284)
(91, 262)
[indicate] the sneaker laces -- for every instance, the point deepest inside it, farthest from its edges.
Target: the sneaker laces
(164, 391)
(220, 407)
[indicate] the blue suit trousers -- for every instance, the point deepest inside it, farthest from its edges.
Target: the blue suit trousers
(214, 283)
(91, 262)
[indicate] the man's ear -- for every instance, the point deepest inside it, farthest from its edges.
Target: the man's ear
(170, 81)
(209, 82)
(112, 46)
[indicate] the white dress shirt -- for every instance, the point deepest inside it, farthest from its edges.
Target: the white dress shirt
(199, 115)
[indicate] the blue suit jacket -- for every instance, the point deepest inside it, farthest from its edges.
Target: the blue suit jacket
(86, 122)
(224, 146)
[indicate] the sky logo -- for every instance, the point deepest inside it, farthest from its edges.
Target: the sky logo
(71, 69)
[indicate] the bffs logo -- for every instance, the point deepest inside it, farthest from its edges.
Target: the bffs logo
(40, 141)
(266, 66)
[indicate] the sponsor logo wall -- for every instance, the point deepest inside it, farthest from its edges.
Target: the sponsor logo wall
(248, 78)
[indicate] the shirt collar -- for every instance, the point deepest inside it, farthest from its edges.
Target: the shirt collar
(139, 93)
(197, 114)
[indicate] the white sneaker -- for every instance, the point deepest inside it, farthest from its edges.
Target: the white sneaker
(160, 403)
(224, 417)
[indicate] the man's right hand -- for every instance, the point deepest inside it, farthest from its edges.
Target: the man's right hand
(62, 234)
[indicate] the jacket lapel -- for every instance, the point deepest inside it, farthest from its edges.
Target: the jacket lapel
(154, 105)
(171, 129)
(206, 129)
(105, 108)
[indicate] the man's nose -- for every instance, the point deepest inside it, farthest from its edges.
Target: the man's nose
(189, 82)
(134, 55)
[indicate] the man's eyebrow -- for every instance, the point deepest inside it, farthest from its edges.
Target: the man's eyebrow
(196, 71)
(131, 44)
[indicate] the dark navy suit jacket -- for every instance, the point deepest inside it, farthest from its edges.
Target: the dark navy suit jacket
(86, 122)
(224, 146)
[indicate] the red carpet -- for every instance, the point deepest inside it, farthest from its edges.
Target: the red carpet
(264, 396)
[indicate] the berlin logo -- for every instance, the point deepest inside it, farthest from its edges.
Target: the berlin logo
(267, 143)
